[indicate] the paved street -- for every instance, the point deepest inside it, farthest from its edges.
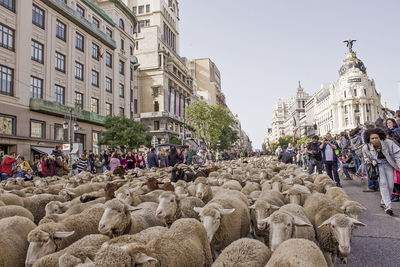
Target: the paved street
(378, 243)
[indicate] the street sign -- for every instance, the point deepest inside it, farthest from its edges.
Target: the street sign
(65, 147)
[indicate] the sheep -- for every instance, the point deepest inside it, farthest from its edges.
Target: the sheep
(71, 193)
(203, 189)
(265, 205)
(333, 229)
(125, 194)
(250, 187)
(118, 218)
(344, 203)
(276, 183)
(56, 207)
(153, 184)
(184, 244)
(297, 194)
(297, 253)
(2, 203)
(225, 218)
(143, 237)
(11, 199)
(51, 237)
(232, 185)
(84, 247)
(36, 204)
(290, 221)
(14, 231)
(244, 252)
(14, 210)
(172, 207)
(180, 187)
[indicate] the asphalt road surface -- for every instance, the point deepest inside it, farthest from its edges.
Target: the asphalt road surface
(377, 244)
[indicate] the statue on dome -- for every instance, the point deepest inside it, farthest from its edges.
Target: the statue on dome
(349, 44)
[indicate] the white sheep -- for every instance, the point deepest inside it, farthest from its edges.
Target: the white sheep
(203, 189)
(14, 210)
(297, 253)
(14, 231)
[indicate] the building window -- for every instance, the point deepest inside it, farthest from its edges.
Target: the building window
(95, 51)
(131, 50)
(94, 105)
(108, 60)
(137, 45)
(344, 93)
(156, 125)
(121, 112)
(122, 44)
(9, 4)
(79, 41)
(38, 129)
(147, 8)
(141, 9)
(95, 142)
(80, 10)
(60, 30)
(96, 22)
(131, 73)
(355, 92)
(60, 134)
(108, 109)
(135, 106)
(108, 85)
(79, 100)
(131, 95)
(134, 10)
(60, 62)
(78, 70)
(109, 32)
(121, 67)
(7, 124)
(6, 81)
(6, 37)
(147, 23)
(121, 90)
(169, 3)
(59, 94)
(156, 106)
(37, 51)
(38, 16)
(95, 78)
(365, 92)
(121, 24)
(36, 87)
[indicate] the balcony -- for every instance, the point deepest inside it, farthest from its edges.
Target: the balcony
(162, 114)
(60, 110)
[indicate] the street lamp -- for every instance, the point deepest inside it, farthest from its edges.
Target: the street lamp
(72, 129)
(184, 120)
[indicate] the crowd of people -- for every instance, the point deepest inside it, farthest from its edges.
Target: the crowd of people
(370, 151)
(57, 163)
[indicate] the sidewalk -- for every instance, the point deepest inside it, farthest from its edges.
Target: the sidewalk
(377, 244)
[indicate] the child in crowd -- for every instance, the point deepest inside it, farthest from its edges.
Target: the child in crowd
(28, 175)
(75, 170)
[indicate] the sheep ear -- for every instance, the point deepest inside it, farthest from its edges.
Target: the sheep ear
(88, 261)
(356, 222)
(197, 209)
(60, 234)
(285, 192)
(130, 208)
(226, 211)
(181, 196)
(300, 222)
(143, 258)
(274, 207)
(253, 206)
(266, 220)
(326, 222)
(342, 208)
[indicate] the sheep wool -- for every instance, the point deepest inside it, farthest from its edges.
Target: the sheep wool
(13, 210)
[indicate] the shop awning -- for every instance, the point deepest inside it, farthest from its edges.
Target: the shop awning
(43, 150)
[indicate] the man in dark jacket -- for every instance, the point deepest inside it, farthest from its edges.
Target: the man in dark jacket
(314, 152)
(152, 159)
(328, 148)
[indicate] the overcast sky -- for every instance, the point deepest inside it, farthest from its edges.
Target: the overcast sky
(263, 48)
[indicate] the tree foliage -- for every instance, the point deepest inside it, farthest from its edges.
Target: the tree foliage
(303, 140)
(285, 140)
(274, 146)
(123, 133)
(175, 140)
(210, 123)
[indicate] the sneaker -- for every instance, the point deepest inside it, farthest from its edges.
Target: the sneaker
(395, 198)
(389, 211)
(383, 206)
(338, 185)
(347, 178)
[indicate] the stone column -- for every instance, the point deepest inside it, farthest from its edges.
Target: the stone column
(340, 117)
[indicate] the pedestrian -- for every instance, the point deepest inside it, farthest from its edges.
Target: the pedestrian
(173, 157)
(278, 151)
(50, 166)
(162, 157)
(131, 160)
(43, 164)
(124, 162)
(392, 125)
(114, 161)
(82, 163)
(140, 163)
(379, 123)
(330, 159)
(314, 152)
(397, 117)
(28, 176)
(348, 164)
(19, 173)
(6, 166)
(98, 165)
(384, 154)
(189, 156)
(344, 141)
(181, 157)
(74, 170)
(152, 159)
(356, 144)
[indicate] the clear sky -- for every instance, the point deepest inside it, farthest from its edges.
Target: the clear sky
(263, 48)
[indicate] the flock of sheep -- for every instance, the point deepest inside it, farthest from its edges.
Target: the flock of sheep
(253, 212)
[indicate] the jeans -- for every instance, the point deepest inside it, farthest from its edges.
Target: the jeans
(357, 163)
(346, 170)
(332, 167)
(315, 163)
(386, 182)
(4, 176)
(373, 185)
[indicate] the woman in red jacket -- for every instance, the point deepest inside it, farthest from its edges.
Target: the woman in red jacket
(6, 166)
(140, 162)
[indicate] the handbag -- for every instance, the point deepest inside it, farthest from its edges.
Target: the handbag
(373, 172)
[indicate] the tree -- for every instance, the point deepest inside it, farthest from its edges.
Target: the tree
(123, 133)
(209, 123)
(227, 138)
(273, 146)
(175, 140)
(285, 140)
(303, 140)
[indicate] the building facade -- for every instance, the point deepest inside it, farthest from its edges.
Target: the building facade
(63, 57)
(166, 86)
(336, 107)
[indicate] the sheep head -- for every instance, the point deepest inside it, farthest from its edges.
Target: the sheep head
(67, 194)
(341, 227)
(169, 204)
(352, 208)
(282, 227)
(54, 207)
(42, 243)
(263, 210)
(210, 216)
